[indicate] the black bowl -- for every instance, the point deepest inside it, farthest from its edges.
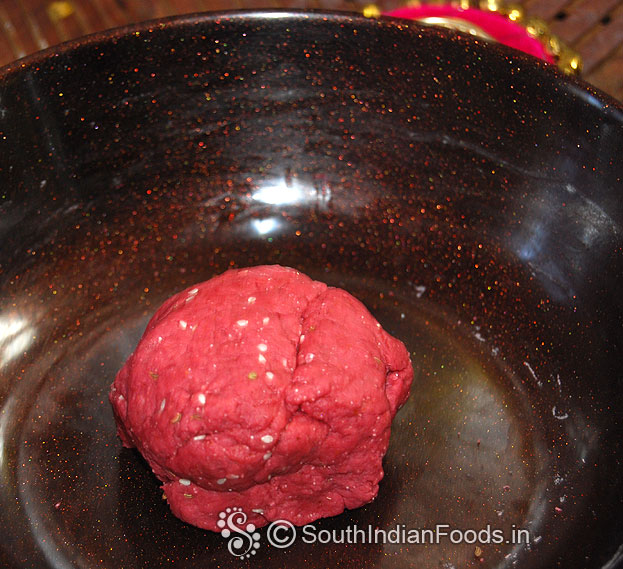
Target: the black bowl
(470, 195)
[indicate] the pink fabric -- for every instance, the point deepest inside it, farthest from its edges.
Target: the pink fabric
(497, 26)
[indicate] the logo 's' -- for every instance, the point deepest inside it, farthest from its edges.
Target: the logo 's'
(244, 542)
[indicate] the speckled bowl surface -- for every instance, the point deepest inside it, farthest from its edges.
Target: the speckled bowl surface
(468, 194)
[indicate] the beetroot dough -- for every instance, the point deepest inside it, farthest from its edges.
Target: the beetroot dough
(265, 390)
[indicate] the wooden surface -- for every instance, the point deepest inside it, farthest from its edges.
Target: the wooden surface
(594, 28)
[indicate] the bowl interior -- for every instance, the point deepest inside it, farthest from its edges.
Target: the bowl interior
(467, 194)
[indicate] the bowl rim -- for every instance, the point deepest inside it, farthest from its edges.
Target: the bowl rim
(29, 61)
